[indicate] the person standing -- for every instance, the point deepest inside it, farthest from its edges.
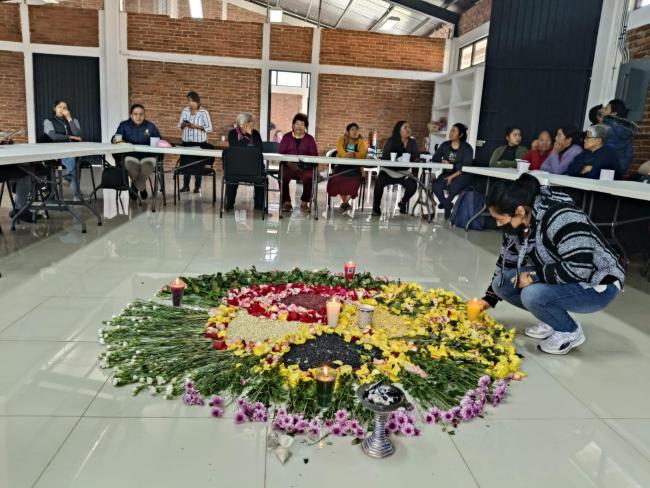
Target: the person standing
(196, 125)
(61, 126)
(622, 131)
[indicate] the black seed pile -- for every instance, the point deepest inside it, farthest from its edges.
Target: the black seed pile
(325, 349)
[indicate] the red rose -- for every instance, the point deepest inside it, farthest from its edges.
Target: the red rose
(219, 345)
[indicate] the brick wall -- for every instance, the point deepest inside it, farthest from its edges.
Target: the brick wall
(372, 103)
(10, 23)
(239, 14)
(475, 16)
(161, 88)
(638, 42)
(283, 107)
(12, 81)
(91, 4)
(290, 43)
(369, 49)
(63, 26)
(190, 36)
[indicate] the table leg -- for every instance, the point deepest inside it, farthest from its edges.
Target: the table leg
(155, 185)
(314, 191)
(478, 214)
(614, 224)
(281, 203)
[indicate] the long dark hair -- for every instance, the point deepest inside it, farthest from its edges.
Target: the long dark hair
(510, 130)
(396, 145)
(571, 131)
(505, 196)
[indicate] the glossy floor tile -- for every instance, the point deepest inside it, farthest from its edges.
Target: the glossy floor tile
(578, 420)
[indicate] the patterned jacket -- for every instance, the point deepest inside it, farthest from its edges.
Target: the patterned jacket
(563, 246)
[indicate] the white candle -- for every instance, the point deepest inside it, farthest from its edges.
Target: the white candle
(333, 310)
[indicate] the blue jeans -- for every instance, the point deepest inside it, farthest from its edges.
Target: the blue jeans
(551, 304)
(70, 165)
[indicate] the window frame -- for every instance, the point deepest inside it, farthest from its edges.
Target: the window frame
(471, 45)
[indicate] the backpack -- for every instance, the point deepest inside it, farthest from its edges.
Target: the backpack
(468, 204)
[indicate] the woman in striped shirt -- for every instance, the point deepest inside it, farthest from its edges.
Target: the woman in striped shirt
(553, 261)
(196, 124)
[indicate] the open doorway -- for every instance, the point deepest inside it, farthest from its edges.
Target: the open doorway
(288, 95)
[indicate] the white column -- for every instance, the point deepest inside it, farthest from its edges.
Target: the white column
(607, 58)
(29, 74)
(224, 9)
(116, 71)
(313, 87)
(264, 80)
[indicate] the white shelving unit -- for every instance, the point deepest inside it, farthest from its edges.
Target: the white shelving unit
(458, 97)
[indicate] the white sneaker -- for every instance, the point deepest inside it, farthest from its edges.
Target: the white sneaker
(539, 331)
(562, 342)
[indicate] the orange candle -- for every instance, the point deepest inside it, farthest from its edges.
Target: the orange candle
(474, 309)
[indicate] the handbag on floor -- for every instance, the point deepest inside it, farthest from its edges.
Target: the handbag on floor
(468, 204)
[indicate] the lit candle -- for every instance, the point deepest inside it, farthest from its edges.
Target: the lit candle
(177, 288)
(333, 308)
(325, 386)
(474, 309)
(349, 270)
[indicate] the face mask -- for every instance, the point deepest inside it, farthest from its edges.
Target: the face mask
(519, 231)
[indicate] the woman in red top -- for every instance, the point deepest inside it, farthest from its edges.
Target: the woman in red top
(297, 142)
(540, 150)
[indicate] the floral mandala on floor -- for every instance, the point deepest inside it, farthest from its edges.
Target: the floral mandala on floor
(255, 342)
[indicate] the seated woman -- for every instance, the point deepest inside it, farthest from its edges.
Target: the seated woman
(540, 150)
(244, 135)
(506, 156)
(62, 127)
(566, 148)
(347, 179)
(137, 130)
(455, 151)
(297, 142)
(596, 156)
(400, 143)
(553, 261)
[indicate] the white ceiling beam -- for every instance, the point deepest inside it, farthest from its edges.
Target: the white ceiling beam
(345, 11)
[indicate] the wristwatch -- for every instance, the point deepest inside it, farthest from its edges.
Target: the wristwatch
(533, 276)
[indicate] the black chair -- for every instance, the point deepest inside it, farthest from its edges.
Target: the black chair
(244, 166)
(86, 164)
(202, 166)
(270, 146)
(114, 178)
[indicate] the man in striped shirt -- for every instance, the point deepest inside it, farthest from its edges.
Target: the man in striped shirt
(196, 124)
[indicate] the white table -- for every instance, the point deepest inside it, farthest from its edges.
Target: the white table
(618, 189)
(29, 153)
(368, 163)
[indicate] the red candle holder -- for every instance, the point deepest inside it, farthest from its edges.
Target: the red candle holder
(177, 288)
(349, 270)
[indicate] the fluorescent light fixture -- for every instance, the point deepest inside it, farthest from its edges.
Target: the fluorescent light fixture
(50, 1)
(390, 23)
(196, 9)
(275, 15)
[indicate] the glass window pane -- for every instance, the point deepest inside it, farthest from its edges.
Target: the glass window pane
(465, 57)
(480, 48)
(642, 3)
(286, 78)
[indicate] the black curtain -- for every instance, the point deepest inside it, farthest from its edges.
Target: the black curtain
(538, 67)
(74, 79)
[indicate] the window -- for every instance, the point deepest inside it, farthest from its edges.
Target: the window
(474, 53)
(642, 3)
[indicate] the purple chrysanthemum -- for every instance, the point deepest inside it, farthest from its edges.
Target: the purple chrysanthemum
(428, 418)
(240, 417)
(448, 416)
(407, 429)
(391, 427)
(336, 430)
(216, 401)
(484, 380)
(341, 415)
(217, 412)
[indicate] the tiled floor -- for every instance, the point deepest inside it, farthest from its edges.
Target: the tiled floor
(577, 421)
